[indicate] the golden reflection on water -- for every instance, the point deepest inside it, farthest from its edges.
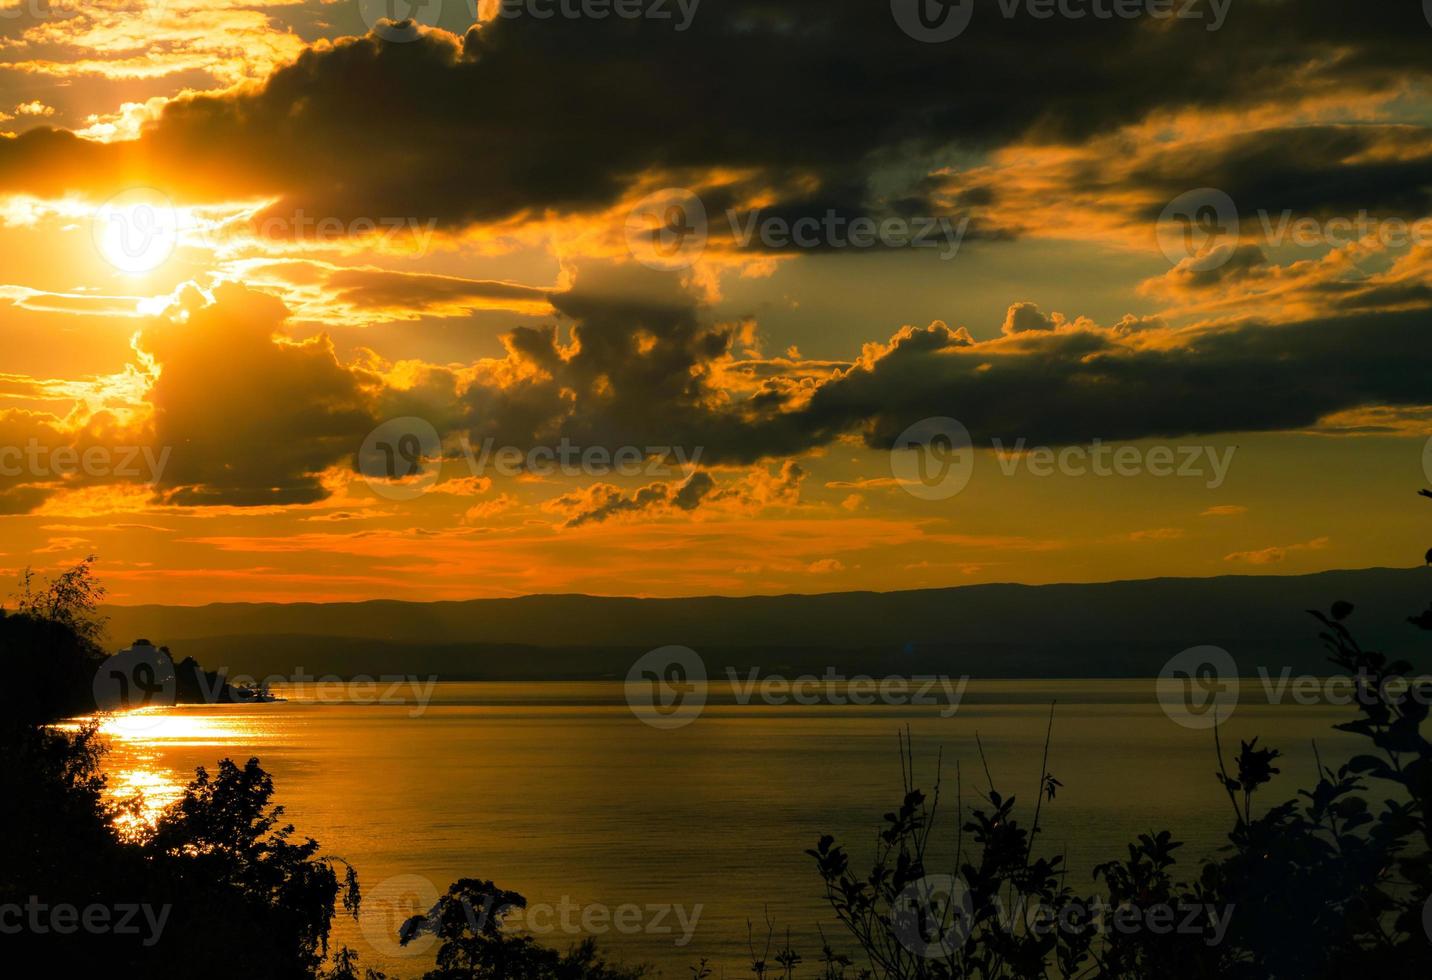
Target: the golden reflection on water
(140, 781)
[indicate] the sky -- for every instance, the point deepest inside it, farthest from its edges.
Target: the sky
(305, 301)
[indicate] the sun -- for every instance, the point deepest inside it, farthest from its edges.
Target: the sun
(136, 231)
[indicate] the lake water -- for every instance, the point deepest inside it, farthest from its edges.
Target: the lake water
(648, 837)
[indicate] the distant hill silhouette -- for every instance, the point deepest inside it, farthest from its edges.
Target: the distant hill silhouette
(1115, 629)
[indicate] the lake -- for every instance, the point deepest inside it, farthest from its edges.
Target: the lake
(665, 843)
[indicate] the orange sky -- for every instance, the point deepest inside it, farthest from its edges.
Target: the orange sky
(258, 254)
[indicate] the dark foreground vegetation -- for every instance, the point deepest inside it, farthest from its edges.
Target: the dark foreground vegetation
(1332, 883)
(220, 887)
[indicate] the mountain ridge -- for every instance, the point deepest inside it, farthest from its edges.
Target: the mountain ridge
(1109, 629)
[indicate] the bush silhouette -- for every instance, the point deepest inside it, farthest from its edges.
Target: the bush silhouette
(1333, 883)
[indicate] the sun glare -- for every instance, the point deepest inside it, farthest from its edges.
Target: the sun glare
(137, 231)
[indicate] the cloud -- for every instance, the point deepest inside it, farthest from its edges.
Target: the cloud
(82, 44)
(758, 490)
(1084, 381)
(500, 504)
(1275, 554)
(324, 292)
(520, 117)
(639, 369)
(603, 501)
(633, 358)
(43, 455)
(252, 418)
(1024, 316)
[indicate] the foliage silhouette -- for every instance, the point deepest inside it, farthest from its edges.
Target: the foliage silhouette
(230, 895)
(233, 892)
(1334, 883)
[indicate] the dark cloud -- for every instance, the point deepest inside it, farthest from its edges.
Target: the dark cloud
(523, 116)
(22, 483)
(639, 368)
(249, 417)
(1305, 170)
(757, 490)
(417, 292)
(648, 372)
(1024, 316)
(1075, 385)
(42, 454)
(604, 501)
